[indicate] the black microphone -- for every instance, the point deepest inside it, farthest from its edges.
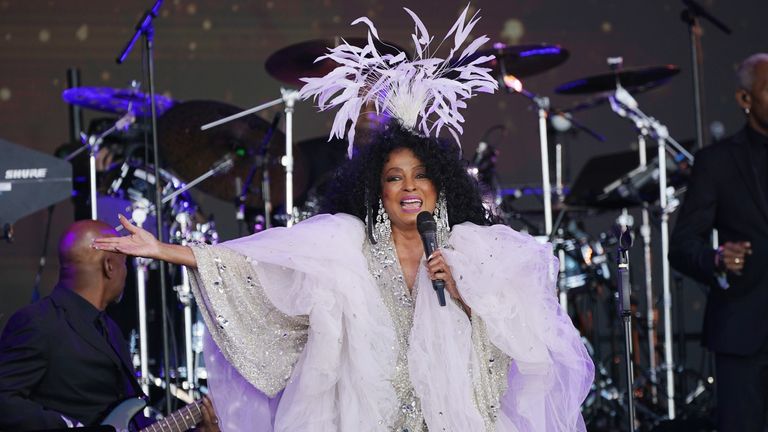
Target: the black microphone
(427, 227)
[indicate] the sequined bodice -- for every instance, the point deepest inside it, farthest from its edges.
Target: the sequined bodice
(385, 268)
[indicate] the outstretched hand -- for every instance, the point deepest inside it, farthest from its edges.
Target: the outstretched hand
(139, 242)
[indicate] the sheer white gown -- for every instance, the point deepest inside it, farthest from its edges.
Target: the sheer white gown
(313, 329)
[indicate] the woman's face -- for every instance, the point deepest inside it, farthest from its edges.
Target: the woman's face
(405, 189)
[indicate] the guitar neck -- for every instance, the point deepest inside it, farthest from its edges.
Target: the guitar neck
(180, 420)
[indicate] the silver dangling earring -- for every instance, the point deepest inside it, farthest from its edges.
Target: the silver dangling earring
(383, 230)
(746, 111)
(441, 219)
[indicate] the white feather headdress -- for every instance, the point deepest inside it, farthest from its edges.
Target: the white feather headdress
(417, 92)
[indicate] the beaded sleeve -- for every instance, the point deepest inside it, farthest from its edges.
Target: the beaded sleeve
(262, 343)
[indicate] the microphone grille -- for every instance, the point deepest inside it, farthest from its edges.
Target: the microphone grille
(425, 222)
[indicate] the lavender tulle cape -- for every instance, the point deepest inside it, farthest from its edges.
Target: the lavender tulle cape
(506, 277)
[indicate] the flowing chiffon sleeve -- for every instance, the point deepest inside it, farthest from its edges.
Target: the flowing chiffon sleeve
(291, 313)
(508, 279)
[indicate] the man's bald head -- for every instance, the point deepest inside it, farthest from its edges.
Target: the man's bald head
(75, 244)
(97, 275)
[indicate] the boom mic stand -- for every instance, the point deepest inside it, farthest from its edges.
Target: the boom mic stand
(690, 15)
(625, 311)
(145, 29)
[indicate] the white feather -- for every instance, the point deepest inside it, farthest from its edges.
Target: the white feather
(411, 91)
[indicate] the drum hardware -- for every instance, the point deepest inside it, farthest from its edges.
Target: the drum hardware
(635, 80)
(260, 163)
(623, 104)
(116, 100)
(135, 183)
(183, 232)
(92, 143)
(221, 166)
(192, 152)
(300, 60)
(184, 293)
(522, 61)
(288, 98)
(514, 85)
(139, 216)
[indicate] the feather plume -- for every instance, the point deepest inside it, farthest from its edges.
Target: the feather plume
(417, 92)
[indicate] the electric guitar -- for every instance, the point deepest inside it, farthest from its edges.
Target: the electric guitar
(179, 421)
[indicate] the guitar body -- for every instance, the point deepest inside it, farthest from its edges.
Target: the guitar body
(120, 417)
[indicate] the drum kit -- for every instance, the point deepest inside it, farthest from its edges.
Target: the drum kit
(200, 139)
(609, 184)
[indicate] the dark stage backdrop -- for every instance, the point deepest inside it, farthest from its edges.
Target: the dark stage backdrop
(208, 49)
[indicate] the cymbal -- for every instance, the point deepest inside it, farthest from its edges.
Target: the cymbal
(522, 60)
(297, 61)
(634, 80)
(116, 100)
(190, 152)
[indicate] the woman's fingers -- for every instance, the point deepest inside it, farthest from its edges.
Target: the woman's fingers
(133, 229)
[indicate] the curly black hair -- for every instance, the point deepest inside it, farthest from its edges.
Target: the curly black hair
(356, 186)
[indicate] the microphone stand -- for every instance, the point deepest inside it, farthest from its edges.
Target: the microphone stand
(625, 311)
(145, 29)
(690, 16)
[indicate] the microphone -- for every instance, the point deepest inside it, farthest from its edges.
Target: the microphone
(427, 227)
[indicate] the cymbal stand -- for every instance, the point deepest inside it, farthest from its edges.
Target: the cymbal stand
(92, 143)
(184, 292)
(288, 98)
(623, 104)
(561, 122)
(645, 233)
(139, 215)
(513, 84)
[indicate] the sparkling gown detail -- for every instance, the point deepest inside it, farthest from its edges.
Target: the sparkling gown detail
(312, 328)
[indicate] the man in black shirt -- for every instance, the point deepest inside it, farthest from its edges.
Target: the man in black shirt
(63, 361)
(729, 191)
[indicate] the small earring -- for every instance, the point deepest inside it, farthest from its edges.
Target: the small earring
(746, 111)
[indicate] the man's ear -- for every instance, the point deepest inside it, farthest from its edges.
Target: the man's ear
(108, 266)
(743, 99)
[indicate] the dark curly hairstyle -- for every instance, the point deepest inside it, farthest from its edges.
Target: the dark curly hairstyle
(356, 186)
